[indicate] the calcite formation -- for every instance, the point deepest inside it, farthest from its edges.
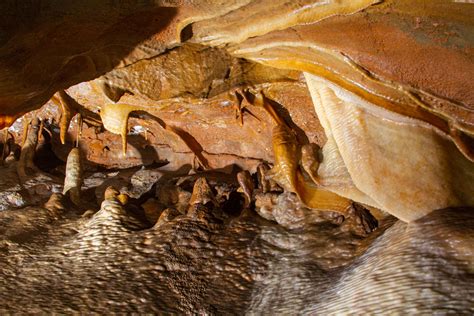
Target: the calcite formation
(141, 122)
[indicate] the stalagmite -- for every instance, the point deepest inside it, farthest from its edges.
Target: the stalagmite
(310, 161)
(6, 145)
(55, 205)
(74, 176)
(286, 172)
(79, 129)
(26, 164)
(246, 186)
(263, 182)
(202, 193)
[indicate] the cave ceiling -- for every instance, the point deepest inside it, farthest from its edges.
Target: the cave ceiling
(192, 67)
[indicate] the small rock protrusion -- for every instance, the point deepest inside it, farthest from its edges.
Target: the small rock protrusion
(111, 194)
(364, 218)
(265, 203)
(88, 214)
(246, 186)
(166, 216)
(264, 183)
(173, 196)
(123, 198)
(203, 201)
(55, 204)
(310, 160)
(152, 210)
(202, 193)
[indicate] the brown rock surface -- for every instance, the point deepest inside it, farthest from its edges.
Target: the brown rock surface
(391, 42)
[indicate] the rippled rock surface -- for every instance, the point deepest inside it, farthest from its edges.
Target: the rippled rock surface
(222, 259)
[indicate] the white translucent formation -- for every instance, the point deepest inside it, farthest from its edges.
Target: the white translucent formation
(383, 159)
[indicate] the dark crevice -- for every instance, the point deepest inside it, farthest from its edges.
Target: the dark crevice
(186, 33)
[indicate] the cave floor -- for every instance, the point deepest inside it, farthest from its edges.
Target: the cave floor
(162, 252)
